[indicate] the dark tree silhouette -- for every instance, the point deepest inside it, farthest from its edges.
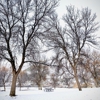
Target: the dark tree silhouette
(21, 24)
(5, 75)
(69, 42)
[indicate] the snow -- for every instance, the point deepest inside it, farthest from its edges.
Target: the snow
(58, 94)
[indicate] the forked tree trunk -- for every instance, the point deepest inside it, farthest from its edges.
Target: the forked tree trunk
(77, 81)
(13, 85)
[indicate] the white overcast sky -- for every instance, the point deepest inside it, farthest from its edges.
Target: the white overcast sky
(94, 5)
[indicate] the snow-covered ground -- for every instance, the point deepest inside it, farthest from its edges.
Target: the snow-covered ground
(58, 94)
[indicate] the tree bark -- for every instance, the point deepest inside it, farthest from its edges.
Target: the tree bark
(77, 81)
(13, 86)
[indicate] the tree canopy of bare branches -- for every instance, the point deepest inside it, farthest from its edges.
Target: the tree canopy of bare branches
(69, 42)
(21, 24)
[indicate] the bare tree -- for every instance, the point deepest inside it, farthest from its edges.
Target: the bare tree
(93, 65)
(84, 76)
(68, 79)
(21, 23)
(72, 39)
(22, 78)
(5, 75)
(54, 80)
(39, 74)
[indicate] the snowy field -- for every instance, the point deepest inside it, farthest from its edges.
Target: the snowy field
(58, 94)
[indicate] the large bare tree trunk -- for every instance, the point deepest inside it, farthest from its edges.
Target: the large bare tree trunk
(13, 86)
(77, 81)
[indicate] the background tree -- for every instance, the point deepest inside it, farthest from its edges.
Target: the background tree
(39, 74)
(93, 65)
(70, 41)
(68, 79)
(21, 23)
(84, 77)
(5, 75)
(54, 80)
(22, 78)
